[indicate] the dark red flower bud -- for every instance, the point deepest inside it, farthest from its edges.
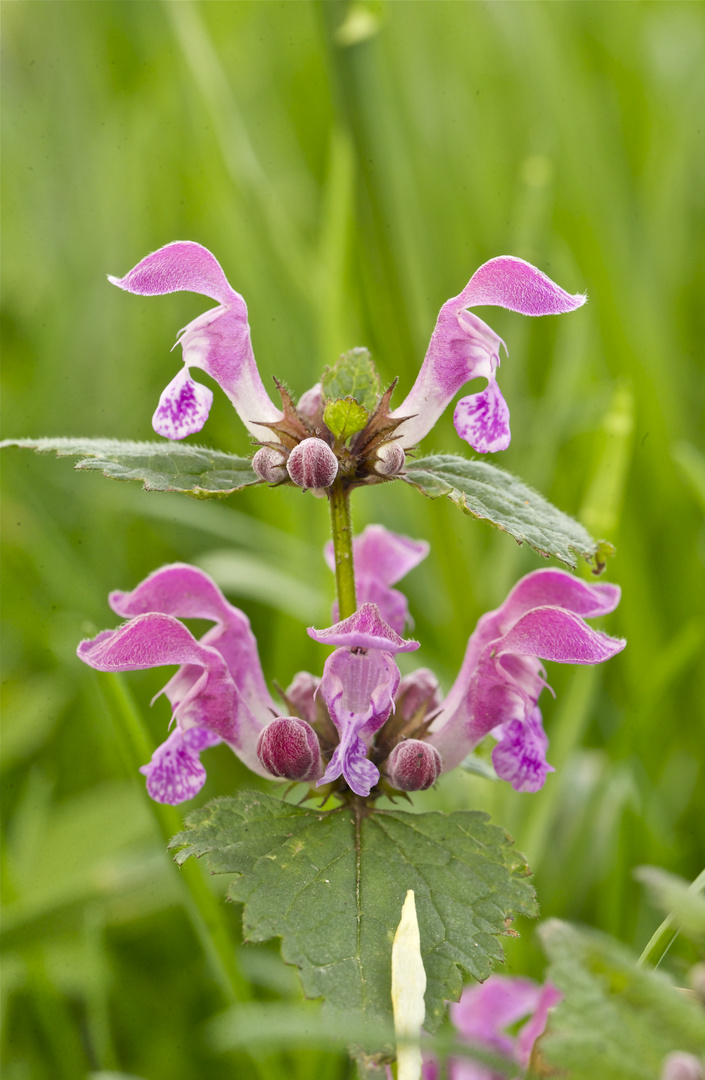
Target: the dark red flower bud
(390, 459)
(289, 748)
(312, 464)
(270, 464)
(413, 765)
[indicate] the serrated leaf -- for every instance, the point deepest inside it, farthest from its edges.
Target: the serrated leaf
(353, 375)
(617, 1021)
(345, 416)
(161, 466)
(494, 495)
(332, 884)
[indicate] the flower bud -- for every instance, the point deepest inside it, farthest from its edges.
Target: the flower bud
(413, 765)
(390, 459)
(418, 693)
(312, 464)
(310, 405)
(300, 694)
(270, 464)
(289, 748)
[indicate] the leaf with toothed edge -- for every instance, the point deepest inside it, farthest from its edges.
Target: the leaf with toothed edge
(353, 375)
(617, 1021)
(332, 884)
(489, 493)
(161, 466)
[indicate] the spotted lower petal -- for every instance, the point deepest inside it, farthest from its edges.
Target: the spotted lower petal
(482, 420)
(520, 755)
(183, 407)
(175, 772)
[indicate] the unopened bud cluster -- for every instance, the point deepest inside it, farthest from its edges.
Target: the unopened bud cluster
(297, 748)
(307, 453)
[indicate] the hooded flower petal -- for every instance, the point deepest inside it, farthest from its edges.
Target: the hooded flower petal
(365, 629)
(188, 593)
(501, 676)
(463, 347)
(359, 689)
(217, 341)
(175, 773)
(155, 640)
(381, 558)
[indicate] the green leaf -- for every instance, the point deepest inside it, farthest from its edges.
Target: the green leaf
(616, 1021)
(161, 466)
(332, 884)
(353, 375)
(345, 416)
(494, 495)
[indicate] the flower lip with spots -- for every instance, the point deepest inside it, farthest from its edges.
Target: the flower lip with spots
(463, 348)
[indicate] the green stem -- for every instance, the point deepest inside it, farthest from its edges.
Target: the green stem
(342, 544)
(668, 931)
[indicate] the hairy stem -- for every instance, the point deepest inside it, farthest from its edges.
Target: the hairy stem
(342, 544)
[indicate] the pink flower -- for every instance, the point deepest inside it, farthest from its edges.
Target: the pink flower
(218, 692)
(482, 1016)
(463, 347)
(218, 342)
(361, 720)
(501, 678)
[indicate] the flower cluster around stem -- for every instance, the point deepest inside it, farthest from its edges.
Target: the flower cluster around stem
(297, 446)
(360, 727)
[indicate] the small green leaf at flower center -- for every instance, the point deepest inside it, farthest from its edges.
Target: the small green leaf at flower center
(344, 417)
(353, 375)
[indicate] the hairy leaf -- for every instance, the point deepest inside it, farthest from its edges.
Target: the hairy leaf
(617, 1021)
(161, 466)
(494, 495)
(332, 884)
(353, 375)
(345, 417)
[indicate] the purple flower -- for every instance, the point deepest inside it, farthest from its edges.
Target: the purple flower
(218, 692)
(502, 676)
(218, 342)
(381, 558)
(482, 1016)
(463, 347)
(360, 722)
(360, 680)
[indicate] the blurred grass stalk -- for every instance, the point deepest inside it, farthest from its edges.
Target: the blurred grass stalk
(203, 908)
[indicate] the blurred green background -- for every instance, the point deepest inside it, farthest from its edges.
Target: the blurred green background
(350, 166)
